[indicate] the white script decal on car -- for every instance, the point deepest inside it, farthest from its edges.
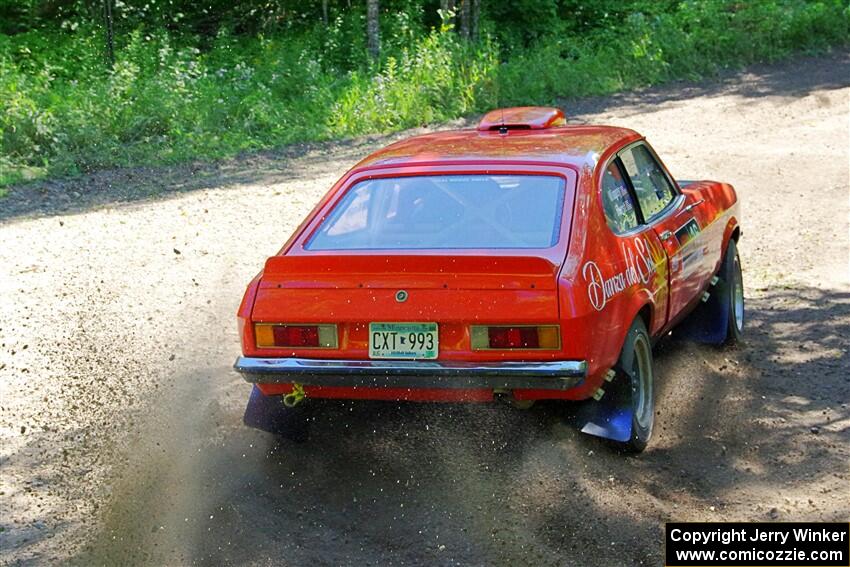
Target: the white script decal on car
(639, 268)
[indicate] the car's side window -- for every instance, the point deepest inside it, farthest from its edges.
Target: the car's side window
(652, 188)
(617, 201)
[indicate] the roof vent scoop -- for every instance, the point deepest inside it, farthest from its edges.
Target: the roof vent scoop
(522, 118)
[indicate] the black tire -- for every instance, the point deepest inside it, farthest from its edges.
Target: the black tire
(733, 290)
(636, 382)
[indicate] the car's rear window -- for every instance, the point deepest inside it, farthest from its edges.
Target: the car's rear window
(445, 211)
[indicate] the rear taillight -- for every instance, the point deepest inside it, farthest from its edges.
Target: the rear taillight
(541, 337)
(271, 335)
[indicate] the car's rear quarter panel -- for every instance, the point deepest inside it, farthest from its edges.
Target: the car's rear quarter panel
(594, 323)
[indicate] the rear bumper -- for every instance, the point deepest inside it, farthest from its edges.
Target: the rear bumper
(557, 375)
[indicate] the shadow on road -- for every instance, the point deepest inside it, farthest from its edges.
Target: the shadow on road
(385, 483)
(774, 80)
(772, 413)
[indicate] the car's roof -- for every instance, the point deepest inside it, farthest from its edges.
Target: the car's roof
(571, 145)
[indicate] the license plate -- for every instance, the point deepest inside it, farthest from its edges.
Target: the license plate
(403, 340)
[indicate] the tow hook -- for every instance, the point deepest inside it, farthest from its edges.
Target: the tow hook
(295, 397)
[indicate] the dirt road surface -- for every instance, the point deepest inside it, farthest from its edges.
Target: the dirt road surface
(120, 418)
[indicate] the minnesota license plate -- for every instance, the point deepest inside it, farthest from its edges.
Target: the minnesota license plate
(403, 340)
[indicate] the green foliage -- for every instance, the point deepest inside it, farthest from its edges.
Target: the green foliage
(219, 86)
(439, 79)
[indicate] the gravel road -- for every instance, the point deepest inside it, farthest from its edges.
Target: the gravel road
(120, 418)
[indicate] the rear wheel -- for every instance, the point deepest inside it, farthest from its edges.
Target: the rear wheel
(734, 289)
(637, 382)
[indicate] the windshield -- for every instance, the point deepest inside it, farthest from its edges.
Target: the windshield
(445, 211)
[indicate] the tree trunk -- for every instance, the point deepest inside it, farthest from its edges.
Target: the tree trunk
(476, 16)
(373, 32)
(110, 44)
(325, 12)
(465, 18)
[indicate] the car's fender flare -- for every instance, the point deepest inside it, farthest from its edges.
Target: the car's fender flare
(646, 311)
(731, 232)
(243, 314)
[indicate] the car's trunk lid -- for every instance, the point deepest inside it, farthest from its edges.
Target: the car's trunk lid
(451, 288)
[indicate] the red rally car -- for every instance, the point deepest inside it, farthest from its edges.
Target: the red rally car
(525, 259)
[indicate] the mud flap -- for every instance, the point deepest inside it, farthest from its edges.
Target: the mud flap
(611, 416)
(708, 323)
(267, 413)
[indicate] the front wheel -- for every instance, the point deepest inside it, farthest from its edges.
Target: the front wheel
(735, 294)
(720, 319)
(637, 381)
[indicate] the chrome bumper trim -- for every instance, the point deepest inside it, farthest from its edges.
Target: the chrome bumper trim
(557, 375)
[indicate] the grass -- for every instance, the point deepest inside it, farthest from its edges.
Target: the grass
(167, 100)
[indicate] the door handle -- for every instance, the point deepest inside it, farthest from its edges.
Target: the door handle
(666, 235)
(691, 206)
